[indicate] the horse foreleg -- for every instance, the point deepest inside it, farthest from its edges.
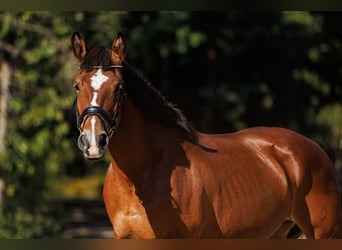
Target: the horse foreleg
(283, 230)
(288, 230)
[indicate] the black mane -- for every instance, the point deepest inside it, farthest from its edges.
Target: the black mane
(144, 96)
(149, 100)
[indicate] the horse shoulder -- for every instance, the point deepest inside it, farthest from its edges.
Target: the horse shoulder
(124, 208)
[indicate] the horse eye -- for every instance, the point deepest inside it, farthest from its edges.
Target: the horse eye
(76, 86)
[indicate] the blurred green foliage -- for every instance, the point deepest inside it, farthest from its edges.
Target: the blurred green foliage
(21, 224)
(226, 70)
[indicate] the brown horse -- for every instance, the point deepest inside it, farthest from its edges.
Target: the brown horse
(166, 180)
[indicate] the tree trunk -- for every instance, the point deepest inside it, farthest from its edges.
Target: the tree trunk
(5, 79)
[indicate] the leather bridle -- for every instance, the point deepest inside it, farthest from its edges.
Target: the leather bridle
(109, 121)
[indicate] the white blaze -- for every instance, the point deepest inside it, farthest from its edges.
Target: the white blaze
(93, 135)
(97, 81)
(93, 101)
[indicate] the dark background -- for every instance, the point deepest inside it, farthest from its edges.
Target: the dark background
(226, 71)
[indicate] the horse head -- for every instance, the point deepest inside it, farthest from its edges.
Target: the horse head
(100, 93)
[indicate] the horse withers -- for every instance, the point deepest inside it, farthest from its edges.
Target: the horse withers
(166, 180)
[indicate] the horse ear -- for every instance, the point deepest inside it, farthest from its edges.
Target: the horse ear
(119, 49)
(78, 46)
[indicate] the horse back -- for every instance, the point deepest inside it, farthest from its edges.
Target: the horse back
(297, 155)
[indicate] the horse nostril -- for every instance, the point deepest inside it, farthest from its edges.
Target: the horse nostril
(103, 140)
(82, 142)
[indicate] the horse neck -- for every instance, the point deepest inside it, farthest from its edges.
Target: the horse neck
(136, 142)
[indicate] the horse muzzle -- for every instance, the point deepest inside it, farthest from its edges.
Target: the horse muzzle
(93, 146)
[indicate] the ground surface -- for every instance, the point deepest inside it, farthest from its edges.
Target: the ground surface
(86, 219)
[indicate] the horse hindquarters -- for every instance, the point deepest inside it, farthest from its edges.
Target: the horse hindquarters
(318, 213)
(316, 207)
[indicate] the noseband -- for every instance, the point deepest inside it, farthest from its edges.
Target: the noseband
(109, 122)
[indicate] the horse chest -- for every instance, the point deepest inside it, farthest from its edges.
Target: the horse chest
(155, 218)
(131, 223)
